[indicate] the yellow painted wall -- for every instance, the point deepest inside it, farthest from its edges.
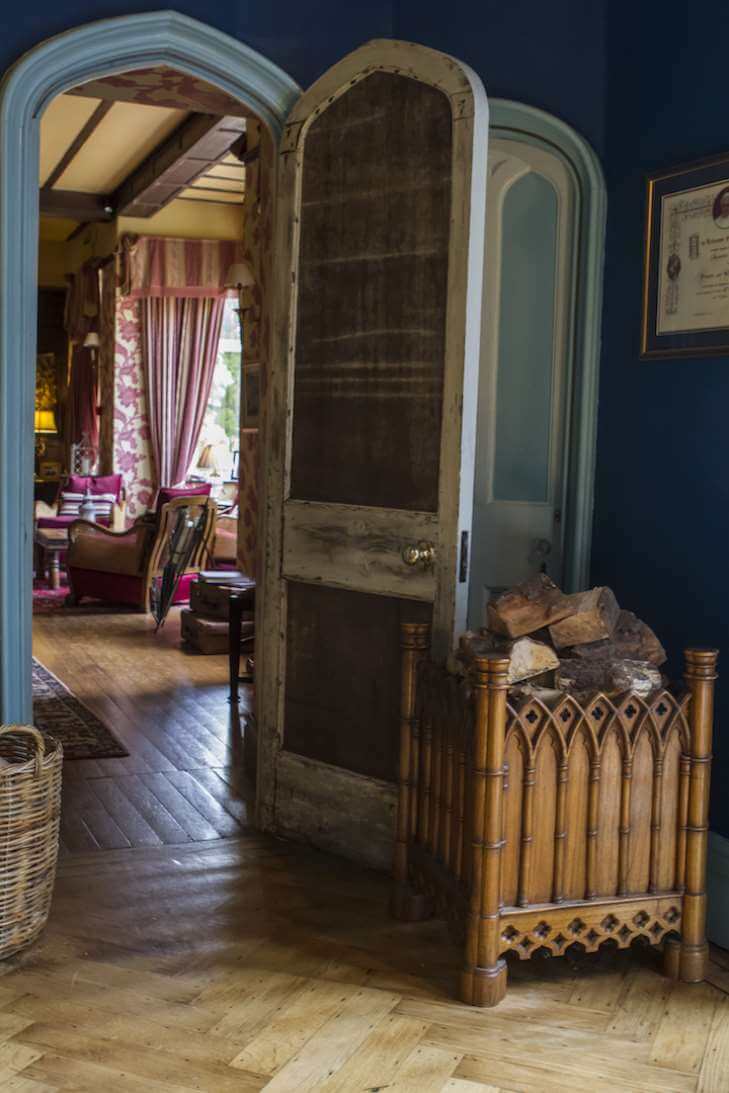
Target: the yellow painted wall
(52, 259)
(189, 220)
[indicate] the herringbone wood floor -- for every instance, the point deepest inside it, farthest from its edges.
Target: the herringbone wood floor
(182, 780)
(252, 964)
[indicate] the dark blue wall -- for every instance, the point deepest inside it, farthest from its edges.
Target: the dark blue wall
(549, 55)
(662, 519)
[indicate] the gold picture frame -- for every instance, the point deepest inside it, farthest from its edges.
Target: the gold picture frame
(686, 261)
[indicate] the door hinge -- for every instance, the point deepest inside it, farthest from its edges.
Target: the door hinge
(463, 566)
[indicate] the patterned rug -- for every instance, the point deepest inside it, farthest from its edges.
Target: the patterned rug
(59, 713)
(47, 600)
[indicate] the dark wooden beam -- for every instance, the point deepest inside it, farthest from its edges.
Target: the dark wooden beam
(201, 141)
(77, 143)
(75, 206)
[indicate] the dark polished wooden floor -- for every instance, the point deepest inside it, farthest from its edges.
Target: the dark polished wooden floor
(182, 780)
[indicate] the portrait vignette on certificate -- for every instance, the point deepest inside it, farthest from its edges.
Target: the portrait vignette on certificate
(693, 260)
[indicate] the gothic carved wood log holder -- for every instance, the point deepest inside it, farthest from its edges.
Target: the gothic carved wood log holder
(536, 826)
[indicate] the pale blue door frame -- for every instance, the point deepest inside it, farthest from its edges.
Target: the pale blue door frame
(96, 49)
(519, 122)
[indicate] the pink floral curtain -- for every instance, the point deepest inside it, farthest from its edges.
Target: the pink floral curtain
(180, 343)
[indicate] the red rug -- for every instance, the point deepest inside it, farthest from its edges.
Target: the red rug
(47, 599)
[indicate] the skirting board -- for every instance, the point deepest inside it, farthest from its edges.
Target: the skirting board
(336, 810)
(717, 879)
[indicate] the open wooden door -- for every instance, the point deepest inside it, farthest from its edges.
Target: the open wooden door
(370, 425)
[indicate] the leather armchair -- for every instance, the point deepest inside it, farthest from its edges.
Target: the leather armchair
(119, 567)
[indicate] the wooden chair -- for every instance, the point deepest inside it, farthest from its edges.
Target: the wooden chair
(535, 826)
(119, 567)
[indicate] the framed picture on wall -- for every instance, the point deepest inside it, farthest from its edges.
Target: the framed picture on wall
(686, 268)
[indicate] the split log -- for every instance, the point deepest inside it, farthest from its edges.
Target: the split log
(592, 617)
(528, 658)
(632, 639)
(528, 607)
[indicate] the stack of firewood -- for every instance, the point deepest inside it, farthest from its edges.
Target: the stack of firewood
(579, 643)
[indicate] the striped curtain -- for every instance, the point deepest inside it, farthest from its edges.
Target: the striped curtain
(180, 341)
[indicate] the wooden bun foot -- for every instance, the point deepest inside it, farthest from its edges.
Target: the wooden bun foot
(484, 986)
(692, 968)
(672, 958)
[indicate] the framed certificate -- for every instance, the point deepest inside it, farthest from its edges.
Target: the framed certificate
(686, 272)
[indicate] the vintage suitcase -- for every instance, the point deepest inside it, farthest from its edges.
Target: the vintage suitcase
(211, 600)
(210, 635)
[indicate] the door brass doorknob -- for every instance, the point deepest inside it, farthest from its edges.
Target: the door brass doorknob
(422, 553)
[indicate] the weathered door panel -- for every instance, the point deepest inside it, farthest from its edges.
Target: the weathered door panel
(378, 258)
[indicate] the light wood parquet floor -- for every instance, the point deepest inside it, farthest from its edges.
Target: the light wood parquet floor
(183, 780)
(253, 964)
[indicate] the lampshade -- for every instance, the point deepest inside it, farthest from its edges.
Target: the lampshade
(45, 421)
(206, 460)
(240, 275)
(92, 340)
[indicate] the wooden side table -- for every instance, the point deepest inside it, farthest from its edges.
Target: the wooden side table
(50, 544)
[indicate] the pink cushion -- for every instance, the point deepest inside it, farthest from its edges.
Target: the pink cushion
(168, 493)
(96, 483)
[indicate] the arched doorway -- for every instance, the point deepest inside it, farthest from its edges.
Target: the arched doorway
(102, 48)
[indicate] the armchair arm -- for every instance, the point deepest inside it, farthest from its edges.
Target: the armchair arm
(94, 547)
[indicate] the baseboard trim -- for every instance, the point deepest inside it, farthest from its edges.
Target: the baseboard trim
(335, 809)
(717, 881)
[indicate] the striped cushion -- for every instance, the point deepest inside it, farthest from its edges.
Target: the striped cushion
(70, 504)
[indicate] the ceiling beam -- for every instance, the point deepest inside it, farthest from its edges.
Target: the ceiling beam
(195, 146)
(74, 205)
(77, 143)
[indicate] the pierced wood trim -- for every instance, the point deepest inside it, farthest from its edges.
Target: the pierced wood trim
(589, 924)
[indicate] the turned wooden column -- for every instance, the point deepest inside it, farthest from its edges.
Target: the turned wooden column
(700, 674)
(483, 981)
(414, 641)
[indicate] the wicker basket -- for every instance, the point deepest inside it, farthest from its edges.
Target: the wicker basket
(30, 812)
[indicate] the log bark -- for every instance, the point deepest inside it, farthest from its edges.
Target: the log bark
(528, 607)
(585, 675)
(632, 639)
(593, 617)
